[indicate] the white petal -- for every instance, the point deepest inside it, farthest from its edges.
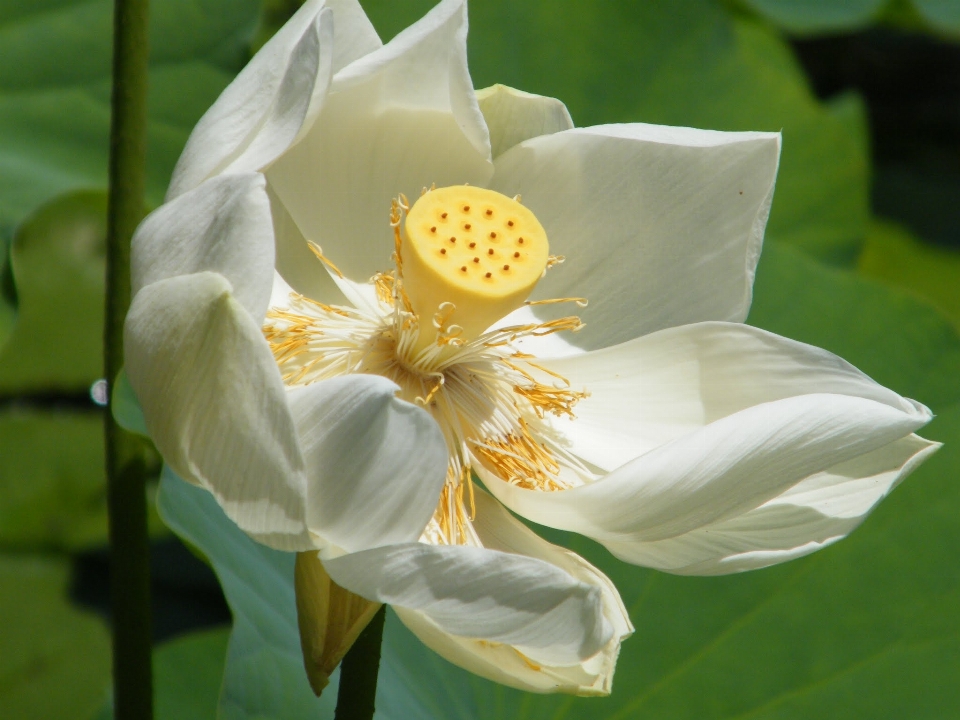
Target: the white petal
(726, 468)
(279, 91)
(507, 665)
(651, 390)
(298, 99)
(660, 226)
(302, 271)
(513, 116)
(223, 225)
(471, 592)
(498, 530)
(215, 405)
(395, 121)
(814, 513)
(375, 464)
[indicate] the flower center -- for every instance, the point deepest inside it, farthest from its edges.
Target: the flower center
(465, 257)
(476, 249)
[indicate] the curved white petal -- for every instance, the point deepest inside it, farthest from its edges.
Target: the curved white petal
(513, 116)
(814, 513)
(375, 464)
(300, 268)
(484, 594)
(277, 94)
(395, 121)
(224, 226)
(661, 226)
(725, 469)
(651, 390)
(498, 530)
(215, 405)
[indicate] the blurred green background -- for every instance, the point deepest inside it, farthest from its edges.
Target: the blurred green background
(862, 257)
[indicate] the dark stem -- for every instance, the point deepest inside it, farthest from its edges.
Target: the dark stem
(358, 673)
(126, 489)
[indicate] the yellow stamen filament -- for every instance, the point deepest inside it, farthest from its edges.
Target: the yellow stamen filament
(385, 285)
(581, 302)
(315, 249)
(521, 461)
(546, 399)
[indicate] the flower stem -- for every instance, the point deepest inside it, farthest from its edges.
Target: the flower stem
(126, 489)
(358, 673)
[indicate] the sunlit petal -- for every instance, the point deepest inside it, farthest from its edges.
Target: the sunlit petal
(374, 464)
(673, 218)
(215, 405)
(397, 120)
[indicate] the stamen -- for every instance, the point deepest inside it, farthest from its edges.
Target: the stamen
(385, 285)
(581, 302)
(315, 249)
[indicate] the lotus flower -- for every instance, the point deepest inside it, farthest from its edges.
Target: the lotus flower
(351, 311)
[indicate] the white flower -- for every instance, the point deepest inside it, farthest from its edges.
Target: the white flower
(333, 401)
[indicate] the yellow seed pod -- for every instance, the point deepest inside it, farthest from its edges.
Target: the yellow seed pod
(475, 248)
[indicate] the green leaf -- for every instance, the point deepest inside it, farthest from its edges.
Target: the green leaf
(55, 90)
(265, 676)
(52, 481)
(809, 17)
(126, 408)
(52, 492)
(689, 63)
(942, 14)
(893, 255)
(897, 339)
(57, 262)
(54, 658)
(187, 673)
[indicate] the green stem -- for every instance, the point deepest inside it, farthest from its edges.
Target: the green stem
(126, 489)
(358, 673)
